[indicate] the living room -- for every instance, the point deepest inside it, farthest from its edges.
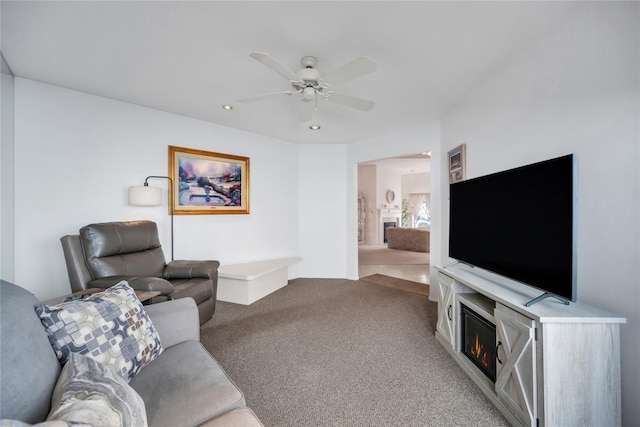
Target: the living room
(571, 89)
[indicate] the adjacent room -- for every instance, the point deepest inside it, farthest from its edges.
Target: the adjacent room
(400, 255)
(320, 213)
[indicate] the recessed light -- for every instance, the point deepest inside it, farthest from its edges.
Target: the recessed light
(227, 107)
(314, 127)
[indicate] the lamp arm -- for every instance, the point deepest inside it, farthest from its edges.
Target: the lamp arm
(146, 184)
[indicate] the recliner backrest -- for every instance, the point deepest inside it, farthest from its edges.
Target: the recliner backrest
(79, 275)
(129, 248)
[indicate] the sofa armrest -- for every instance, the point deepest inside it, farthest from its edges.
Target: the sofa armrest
(176, 321)
(191, 269)
(137, 283)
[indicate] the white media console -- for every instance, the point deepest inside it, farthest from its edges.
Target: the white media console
(556, 365)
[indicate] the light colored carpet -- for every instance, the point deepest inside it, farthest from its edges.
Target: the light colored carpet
(381, 255)
(335, 352)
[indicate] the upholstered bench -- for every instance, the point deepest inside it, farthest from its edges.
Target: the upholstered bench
(247, 282)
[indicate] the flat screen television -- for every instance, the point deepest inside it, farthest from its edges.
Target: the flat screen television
(521, 224)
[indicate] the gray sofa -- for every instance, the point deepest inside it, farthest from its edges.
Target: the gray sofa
(184, 386)
(408, 239)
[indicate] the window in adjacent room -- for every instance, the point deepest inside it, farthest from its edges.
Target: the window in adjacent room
(418, 206)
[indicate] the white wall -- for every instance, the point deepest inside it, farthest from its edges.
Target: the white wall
(416, 183)
(575, 90)
(322, 207)
(77, 154)
(388, 178)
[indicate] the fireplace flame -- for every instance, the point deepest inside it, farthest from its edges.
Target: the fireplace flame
(477, 351)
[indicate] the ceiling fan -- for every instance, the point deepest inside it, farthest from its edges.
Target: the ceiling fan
(312, 83)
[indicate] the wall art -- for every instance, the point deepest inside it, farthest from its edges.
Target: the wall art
(208, 183)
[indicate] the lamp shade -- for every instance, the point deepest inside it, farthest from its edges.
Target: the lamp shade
(143, 195)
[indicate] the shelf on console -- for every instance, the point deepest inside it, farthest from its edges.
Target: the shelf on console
(478, 303)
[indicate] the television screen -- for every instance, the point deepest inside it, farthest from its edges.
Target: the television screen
(520, 224)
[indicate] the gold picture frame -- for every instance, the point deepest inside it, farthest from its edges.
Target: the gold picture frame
(457, 164)
(207, 183)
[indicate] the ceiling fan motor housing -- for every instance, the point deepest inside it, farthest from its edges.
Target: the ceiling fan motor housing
(310, 75)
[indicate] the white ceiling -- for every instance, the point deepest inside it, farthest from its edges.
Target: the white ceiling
(190, 58)
(406, 165)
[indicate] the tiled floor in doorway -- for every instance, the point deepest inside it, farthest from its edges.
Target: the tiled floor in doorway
(413, 272)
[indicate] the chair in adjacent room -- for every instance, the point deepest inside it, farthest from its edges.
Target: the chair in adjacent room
(102, 255)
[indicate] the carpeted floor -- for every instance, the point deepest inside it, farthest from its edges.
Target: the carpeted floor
(334, 352)
(380, 254)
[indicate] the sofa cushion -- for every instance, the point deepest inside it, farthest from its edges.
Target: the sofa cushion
(90, 392)
(111, 327)
(28, 367)
(185, 386)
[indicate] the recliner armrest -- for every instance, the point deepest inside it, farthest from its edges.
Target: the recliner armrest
(191, 269)
(176, 321)
(137, 283)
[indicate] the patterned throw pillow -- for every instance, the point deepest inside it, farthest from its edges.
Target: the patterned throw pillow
(92, 393)
(110, 327)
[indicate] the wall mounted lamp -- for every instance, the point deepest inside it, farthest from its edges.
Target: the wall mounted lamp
(143, 195)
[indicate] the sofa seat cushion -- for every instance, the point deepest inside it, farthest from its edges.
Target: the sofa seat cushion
(199, 289)
(110, 326)
(92, 393)
(185, 386)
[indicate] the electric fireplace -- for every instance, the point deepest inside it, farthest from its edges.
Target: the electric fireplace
(479, 341)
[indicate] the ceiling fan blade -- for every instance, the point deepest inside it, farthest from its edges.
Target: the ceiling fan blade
(351, 101)
(276, 66)
(356, 68)
(267, 95)
(305, 112)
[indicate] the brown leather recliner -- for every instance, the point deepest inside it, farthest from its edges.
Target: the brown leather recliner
(104, 254)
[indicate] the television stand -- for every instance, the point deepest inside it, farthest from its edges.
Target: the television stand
(557, 365)
(545, 296)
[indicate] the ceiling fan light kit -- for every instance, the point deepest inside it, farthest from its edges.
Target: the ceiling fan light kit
(313, 83)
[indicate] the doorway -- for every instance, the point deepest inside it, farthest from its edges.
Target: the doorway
(401, 176)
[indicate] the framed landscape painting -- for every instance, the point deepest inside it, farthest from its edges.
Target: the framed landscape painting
(456, 164)
(208, 183)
